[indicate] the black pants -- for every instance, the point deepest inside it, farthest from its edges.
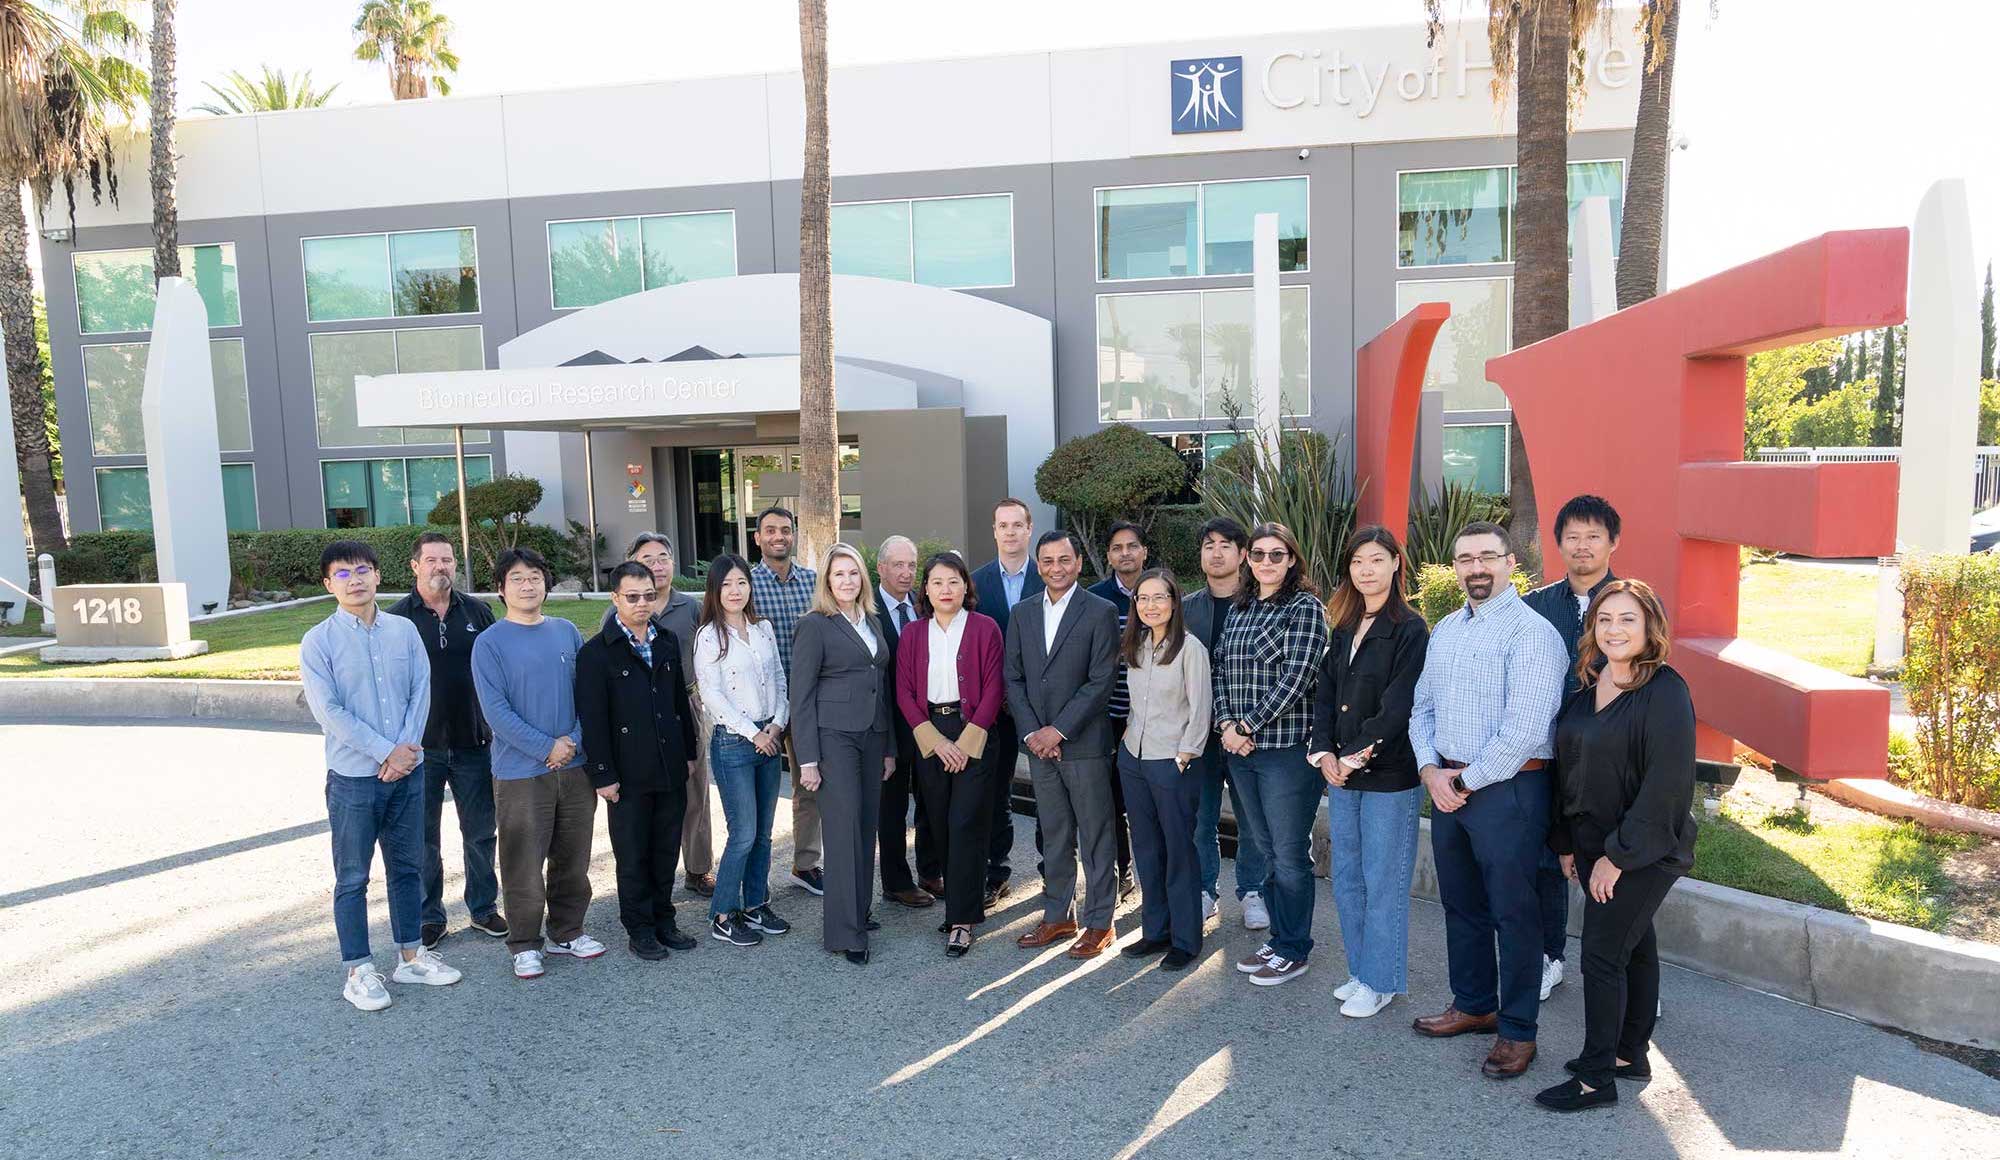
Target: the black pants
(1164, 802)
(1621, 970)
(645, 827)
(1003, 743)
(1120, 824)
(958, 813)
(894, 826)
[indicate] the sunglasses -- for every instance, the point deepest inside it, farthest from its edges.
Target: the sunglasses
(637, 598)
(1270, 555)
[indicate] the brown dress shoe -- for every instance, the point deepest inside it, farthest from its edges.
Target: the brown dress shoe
(702, 884)
(934, 885)
(1092, 942)
(1046, 934)
(914, 899)
(1455, 1022)
(1509, 1058)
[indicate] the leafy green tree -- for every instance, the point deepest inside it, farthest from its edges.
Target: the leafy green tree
(1986, 334)
(273, 90)
(1887, 430)
(1989, 413)
(414, 38)
(1119, 473)
(497, 512)
(1844, 418)
(1775, 384)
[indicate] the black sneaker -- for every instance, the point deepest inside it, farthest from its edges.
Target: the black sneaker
(433, 934)
(813, 880)
(731, 928)
(647, 947)
(763, 918)
(672, 938)
(492, 924)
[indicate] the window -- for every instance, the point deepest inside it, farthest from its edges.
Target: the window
(114, 382)
(337, 357)
(952, 242)
(1197, 450)
(1479, 328)
(1476, 456)
(596, 260)
(125, 498)
(1196, 230)
(114, 288)
(375, 493)
(1186, 354)
(1597, 179)
(1452, 217)
(397, 275)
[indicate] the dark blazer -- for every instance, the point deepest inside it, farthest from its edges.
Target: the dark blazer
(1557, 604)
(836, 683)
(885, 625)
(980, 687)
(1068, 686)
(1367, 701)
(1108, 588)
(636, 718)
(993, 590)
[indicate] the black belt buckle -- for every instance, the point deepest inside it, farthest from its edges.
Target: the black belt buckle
(949, 709)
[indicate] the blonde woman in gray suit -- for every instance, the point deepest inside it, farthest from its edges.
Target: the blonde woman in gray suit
(841, 689)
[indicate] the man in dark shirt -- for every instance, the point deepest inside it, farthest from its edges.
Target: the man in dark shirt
(1587, 534)
(1223, 544)
(1126, 554)
(456, 739)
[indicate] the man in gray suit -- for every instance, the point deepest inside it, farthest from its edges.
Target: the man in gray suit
(1062, 656)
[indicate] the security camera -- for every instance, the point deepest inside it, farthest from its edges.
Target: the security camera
(1305, 153)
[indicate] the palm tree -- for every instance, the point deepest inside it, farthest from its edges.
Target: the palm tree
(274, 90)
(166, 216)
(819, 433)
(414, 38)
(1644, 221)
(61, 76)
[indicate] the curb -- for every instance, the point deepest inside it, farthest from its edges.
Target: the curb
(153, 698)
(1878, 796)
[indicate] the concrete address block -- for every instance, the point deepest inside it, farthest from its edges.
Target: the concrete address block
(1745, 938)
(1932, 984)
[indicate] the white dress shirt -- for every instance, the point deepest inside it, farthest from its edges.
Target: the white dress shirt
(941, 684)
(890, 604)
(1052, 614)
(745, 685)
(866, 630)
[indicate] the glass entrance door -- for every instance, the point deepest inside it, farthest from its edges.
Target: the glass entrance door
(733, 484)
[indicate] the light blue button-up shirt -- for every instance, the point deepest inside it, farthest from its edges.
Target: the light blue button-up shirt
(1014, 582)
(1492, 682)
(369, 687)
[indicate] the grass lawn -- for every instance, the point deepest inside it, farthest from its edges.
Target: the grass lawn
(1823, 615)
(31, 624)
(255, 646)
(1892, 871)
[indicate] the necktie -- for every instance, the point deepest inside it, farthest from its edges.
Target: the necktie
(902, 615)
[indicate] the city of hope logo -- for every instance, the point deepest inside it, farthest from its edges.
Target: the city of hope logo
(1207, 94)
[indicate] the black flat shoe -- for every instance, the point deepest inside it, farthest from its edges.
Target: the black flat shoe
(871, 924)
(674, 940)
(1637, 1069)
(1145, 947)
(1569, 1096)
(1176, 960)
(648, 948)
(858, 958)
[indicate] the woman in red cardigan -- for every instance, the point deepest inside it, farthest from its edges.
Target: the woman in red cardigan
(948, 688)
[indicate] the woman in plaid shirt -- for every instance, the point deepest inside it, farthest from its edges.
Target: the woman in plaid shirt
(1265, 667)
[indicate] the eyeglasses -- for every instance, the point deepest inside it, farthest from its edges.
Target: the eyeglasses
(1484, 558)
(358, 572)
(528, 580)
(637, 598)
(1153, 598)
(1271, 555)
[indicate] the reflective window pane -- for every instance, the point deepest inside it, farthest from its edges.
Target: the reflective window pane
(1476, 457)
(434, 272)
(232, 394)
(114, 288)
(964, 241)
(1597, 179)
(1229, 355)
(336, 359)
(347, 277)
(594, 261)
(1229, 213)
(212, 269)
(239, 496)
(445, 348)
(872, 239)
(114, 380)
(388, 496)
(688, 247)
(1454, 216)
(1477, 330)
(124, 500)
(1149, 357)
(1146, 233)
(432, 478)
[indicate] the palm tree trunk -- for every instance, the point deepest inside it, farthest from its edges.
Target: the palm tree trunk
(819, 434)
(1541, 226)
(24, 372)
(166, 217)
(1643, 230)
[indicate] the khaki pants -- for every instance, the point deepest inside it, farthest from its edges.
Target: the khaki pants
(698, 832)
(545, 826)
(806, 844)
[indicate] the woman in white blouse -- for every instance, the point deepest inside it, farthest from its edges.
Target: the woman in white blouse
(743, 692)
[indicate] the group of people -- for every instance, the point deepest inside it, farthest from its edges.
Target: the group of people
(1547, 732)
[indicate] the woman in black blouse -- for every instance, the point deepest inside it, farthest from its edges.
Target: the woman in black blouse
(1624, 787)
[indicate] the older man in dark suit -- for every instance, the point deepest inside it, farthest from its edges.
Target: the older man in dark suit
(1062, 656)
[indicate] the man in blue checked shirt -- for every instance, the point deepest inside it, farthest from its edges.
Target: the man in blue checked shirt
(1492, 682)
(368, 683)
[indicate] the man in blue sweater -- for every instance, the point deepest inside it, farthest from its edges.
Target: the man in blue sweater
(524, 668)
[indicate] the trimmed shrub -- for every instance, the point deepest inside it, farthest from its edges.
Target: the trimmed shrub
(1119, 473)
(285, 558)
(107, 558)
(1438, 594)
(1951, 674)
(498, 518)
(1173, 541)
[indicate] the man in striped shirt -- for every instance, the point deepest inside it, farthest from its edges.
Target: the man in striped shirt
(1126, 554)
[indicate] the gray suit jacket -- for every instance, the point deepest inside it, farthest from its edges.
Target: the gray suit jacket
(836, 684)
(1068, 686)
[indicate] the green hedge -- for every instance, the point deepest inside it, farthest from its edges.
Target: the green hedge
(1174, 541)
(286, 559)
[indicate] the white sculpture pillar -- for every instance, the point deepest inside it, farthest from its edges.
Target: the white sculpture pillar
(1593, 279)
(1264, 332)
(183, 454)
(13, 537)
(1940, 399)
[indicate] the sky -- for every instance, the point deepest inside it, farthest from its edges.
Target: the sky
(1797, 116)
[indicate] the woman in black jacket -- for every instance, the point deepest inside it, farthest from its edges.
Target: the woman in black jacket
(1625, 770)
(1361, 745)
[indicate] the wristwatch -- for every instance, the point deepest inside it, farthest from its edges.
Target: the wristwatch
(1458, 785)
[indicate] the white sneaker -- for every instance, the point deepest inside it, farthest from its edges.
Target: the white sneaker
(427, 968)
(364, 988)
(1552, 975)
(1346, 990)
(528, 965)
(582, 947)
(1365, 1001)
(1209, 906)
(1256, 916)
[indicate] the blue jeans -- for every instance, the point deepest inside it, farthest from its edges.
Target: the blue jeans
(1374, 838)
(1280, 796)
(363, 812)
(469, 773)
(748, 783)
(1251, 864)
(1487, 854)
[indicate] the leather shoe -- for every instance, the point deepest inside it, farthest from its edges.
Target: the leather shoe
(1091, 942)
(702, 884)
(1637, 1070)
(1046, 934)
(1509, 1058)
(1145, 947)
(912, 898)
(673, 939)
(935, 886)
(1452, 1022)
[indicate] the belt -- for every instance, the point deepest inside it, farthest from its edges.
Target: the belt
(945, 708)
(1531, 763)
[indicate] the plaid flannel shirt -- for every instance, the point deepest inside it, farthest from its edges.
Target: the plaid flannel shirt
(1266, 665)
(782, 603)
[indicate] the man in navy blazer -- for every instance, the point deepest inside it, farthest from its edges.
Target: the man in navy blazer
(1007, 581)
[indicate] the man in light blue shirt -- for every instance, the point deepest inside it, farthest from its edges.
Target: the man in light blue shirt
(1492, 681)
(368, 683)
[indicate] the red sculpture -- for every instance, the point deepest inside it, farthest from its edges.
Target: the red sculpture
(1389, 387)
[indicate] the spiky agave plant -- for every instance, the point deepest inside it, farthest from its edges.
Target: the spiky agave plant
(1306, 488)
